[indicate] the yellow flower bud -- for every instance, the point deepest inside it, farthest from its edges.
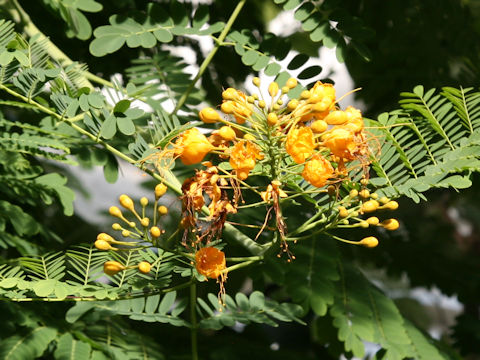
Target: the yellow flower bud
(364, 182)
(102, 245)
(160, 190)
(162, 210)
(227, 133)
(261, 104)
(209, 115)
(144, 201)
(115, 211)
(229, 94)
(272, 119)
(280, 102)
(390, 224)
(250, 99)
(291, 83)
(249, 137)
(144, 267)
(116, 226)
(126, 202)
(353, 193)
(273, 89)
(256, 81)
(305, 94)
(364, 224)
(364, 193)
(112, 267)
(369, 206)
(145, 221)
(125, 233)
(155, 231)
(373, 220)
(228, 107)
(369, 242)
(384, 200)
(374, 196)
(391, 205)
(342, 212)
(319, 126)
(105, 237)
(285, 89)
(292, 104)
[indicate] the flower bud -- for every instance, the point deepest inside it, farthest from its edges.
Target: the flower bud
(162, 210)
(273, 89)
(160, 190)
(209, 115)
(390, 224)
(125, 233)
(319, 126)
(126, 202)
(291, 83)
(369, 242)
(144, 201)
(105, 237)
(373, 220)
(155, 231)
(227, 133)
(391, 205)
(228, 107)
(229, 94)
(369, 206)
(144, 267)
(145, 221)
(112, 267)
(272, 119)
(256, 81)
(102, 245)
(116, 226)
(292, 104)
(115, 211)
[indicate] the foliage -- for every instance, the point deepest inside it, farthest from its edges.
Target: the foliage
(288, 267)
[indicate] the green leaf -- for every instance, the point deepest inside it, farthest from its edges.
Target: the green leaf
(311, 281)
(110, 170)
(107, 44)
(272, 69)
(250, 57)
(70, 349)
(109, 127)
(56, 183)
(122, 106)
(125, 125)
(29, 346)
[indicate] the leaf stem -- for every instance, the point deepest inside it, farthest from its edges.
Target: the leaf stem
(210, 56)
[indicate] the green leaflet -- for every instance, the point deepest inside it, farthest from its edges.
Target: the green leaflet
(361, 313)
(310, 279)
(70, 349)
(246, 310)
(316, 18)
(432, 142)
(146, 29)
(28, 346)
(153, 308)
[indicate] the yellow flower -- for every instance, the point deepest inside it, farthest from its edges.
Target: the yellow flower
(317, 171)
(341, 143)
(300, 144)
(192, 146)
(354, 120)
(210, 262)
(243, 158)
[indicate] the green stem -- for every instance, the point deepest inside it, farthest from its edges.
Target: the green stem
(193, 320)
(210, 56)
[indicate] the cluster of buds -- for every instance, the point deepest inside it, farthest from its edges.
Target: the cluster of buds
(362, 203)
(138, 231)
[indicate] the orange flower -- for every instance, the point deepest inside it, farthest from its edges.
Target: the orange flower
(192, 146)
(300, 144)
(317, 171)
(243, 158)
(235, 102)
(341, 143)
(210, 262)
